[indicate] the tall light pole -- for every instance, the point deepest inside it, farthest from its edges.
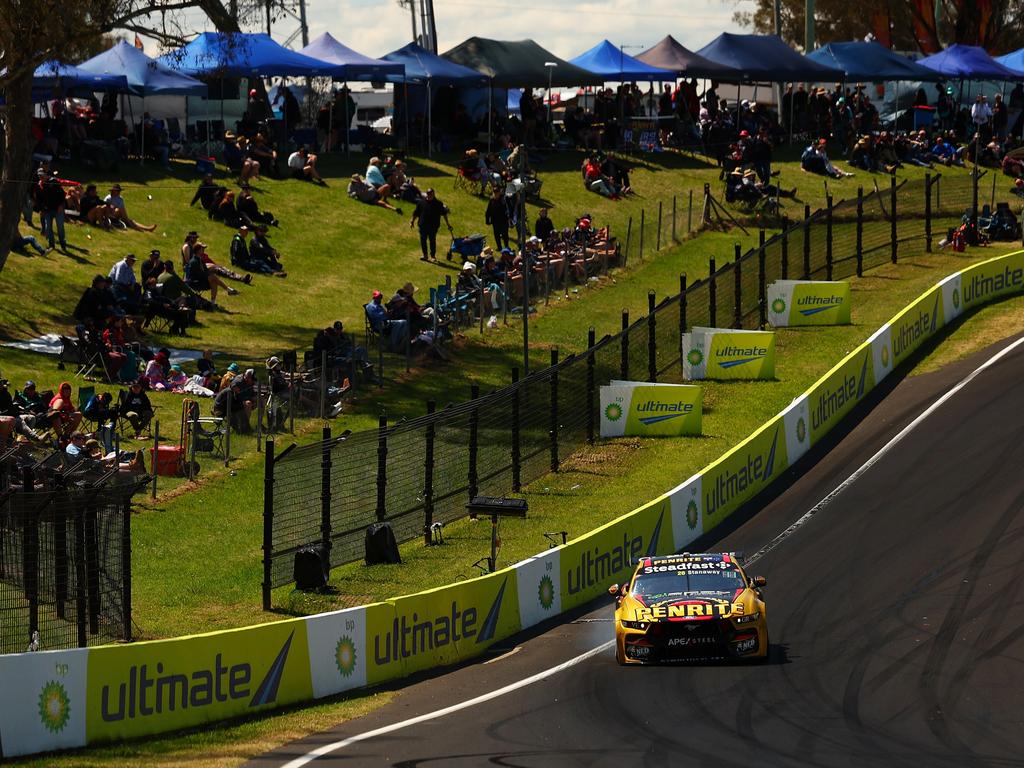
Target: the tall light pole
(550, 66)
(808, 26)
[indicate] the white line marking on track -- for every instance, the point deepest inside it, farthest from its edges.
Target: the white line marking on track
(334, 747)
(505, 655)
(896, 439)
(326, 749)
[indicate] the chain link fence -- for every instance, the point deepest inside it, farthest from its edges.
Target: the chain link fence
(421, 472)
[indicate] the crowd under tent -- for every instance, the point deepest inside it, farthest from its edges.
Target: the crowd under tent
(871, 62)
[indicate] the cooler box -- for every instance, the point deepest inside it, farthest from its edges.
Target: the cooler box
(168, 460)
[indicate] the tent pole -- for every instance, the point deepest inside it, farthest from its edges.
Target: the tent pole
(430, 121)
(142, 137)
(329, 143)
(348, 120)
(408, 135)
(490, 111)
(131, 112)
(737, 107)
(207, 110)
(792, 93)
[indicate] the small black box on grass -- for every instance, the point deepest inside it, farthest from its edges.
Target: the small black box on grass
(312, 570)
(381, 546)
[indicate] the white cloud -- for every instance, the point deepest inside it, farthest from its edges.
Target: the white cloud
(564, 27)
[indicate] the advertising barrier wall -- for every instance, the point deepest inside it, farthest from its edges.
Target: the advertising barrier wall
(63, 699)
(727, 353)
(808, 302)
(650, 410)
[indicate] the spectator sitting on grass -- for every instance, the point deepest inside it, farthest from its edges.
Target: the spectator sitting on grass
(30, 402)
(124, 283)
(119, 212)
(135, 407)
(597, 181)
(376, 179)
(403, 306)
(249, 209)
(174, 288)
(63, 416)
(544, 226)
(75, 449)
(403, 186)
(201, 278)
(229, 398)
(136, 465)
(96, 302)
(20, 241)
(153, 266)
(365, 193)
(815, 160)
(207, 192)
(264, 154)
(99, 409)
(229, 374)
(10, 412)
(92, 209)
(302, 166)
(226, 212)
(264, 256)
(156, 371)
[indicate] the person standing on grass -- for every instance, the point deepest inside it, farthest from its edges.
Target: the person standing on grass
(51, 202)
(429, 212)
(497, 217)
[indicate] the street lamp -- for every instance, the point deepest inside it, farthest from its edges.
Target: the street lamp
(550, 65)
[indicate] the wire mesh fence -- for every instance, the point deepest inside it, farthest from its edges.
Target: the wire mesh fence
(421, 472)
(65, 562)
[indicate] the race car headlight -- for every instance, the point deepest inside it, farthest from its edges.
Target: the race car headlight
(634, 624)
(748, 618)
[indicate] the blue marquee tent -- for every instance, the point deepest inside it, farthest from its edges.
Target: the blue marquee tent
(55, 75)
(145, 76)
(766, 59)
(1013, 60)
(350, 65)
(610, 62)
(222, 54)
(969, 62)
(670, 54)
(422, 66)
(871, 61)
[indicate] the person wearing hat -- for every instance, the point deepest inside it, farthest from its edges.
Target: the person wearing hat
(229, 374)
(428, 213)
(981, 116)
(263, 255)
(12, 418)
(200, 277)
(261, 151)
(151, 267)
(468, 284)
(119, 211)
(232, 397)
(394, 330)
(206, 194)
(543, 226)
(277, 410)
(30, 402)
(403, 306)
(249, 209)
(496, 216)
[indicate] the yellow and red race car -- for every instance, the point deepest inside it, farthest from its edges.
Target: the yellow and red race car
(690, 606)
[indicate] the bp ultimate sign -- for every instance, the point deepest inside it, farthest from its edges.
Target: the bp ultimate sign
(635, 408)
(724, 353)
(808, 302)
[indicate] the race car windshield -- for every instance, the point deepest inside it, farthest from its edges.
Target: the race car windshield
(687, 582)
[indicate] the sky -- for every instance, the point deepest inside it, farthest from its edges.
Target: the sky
(565, 27)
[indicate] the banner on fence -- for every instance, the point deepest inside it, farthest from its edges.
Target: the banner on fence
(337, 649)
(727, 353)
(165, 685)
(808, 302)
(43, 702)
(634, 408)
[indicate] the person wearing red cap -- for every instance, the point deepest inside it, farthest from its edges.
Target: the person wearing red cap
(395, 331)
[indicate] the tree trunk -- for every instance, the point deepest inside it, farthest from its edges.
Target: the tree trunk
(15, 177)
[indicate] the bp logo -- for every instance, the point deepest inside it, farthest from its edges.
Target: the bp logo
(691, 514)
(695, 357)
(779, 305)
(345, 655)
(613, 412)
(54, 707)
(956, 298)
(885, 355)
(801, 429)
(546, 592)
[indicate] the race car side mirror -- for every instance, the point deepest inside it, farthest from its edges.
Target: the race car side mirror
(758, 581)
(613, 590)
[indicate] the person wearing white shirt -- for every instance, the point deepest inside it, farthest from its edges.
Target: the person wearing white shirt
(981, 116)
(122, 275)
(303, 166)
(119, 212)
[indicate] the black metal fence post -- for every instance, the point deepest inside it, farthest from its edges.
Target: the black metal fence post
(382, 466)
(428, 475)
(928, 212)
(591, 393)
(643, 221)
(60, 558)
(682, 305)
(674, 238)
(807, 242)
(30, 551)
(860, 231)
(80, 598)
(629, 241)
(126, 570)
(785, 249)
(762, 289)
(268, 519)
(652, 339)
(712, 295)
(92, 568)
(624, 347)
(892, 217)
(325, 493)
(828, 238)
(737, 272)
(760, 238)
(553, 432)
(474, 445)
(658, 236)
(516, 448)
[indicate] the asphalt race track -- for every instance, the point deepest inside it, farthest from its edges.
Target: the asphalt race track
(895, 613)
